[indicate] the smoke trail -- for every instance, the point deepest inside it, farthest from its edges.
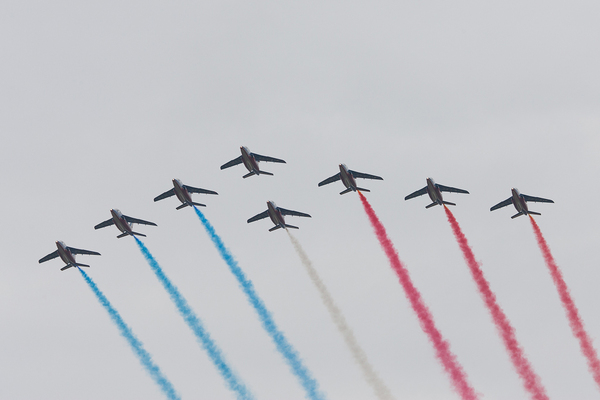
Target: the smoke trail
(309, 384)
(359, 355)
(530, 379)
(233, 382)
(575, 321)
(441, 346)
(136, 345)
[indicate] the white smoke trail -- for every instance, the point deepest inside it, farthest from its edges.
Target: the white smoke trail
(381, 390)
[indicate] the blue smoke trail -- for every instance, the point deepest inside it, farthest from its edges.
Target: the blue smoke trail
(135, 344)
(196, 326)
(309, 384)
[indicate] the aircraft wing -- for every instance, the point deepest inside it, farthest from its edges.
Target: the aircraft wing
(283, 211)
(166, 194)
(198, 190)
(258, 157)
(504, 203)
(50, 256)
(104, 224)
(418, 193)
(138, 221)
(364, 176)
(451, 189)
(262, 215)
(334, 178)
(232, 163)
(536, 199)
(80, 251)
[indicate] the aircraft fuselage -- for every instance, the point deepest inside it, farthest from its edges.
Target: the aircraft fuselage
(275, 214)
(519, 202)
(347, 178)
(64, 253)
(120, 221)
(182, 194)
(435, 194)
(249, 162)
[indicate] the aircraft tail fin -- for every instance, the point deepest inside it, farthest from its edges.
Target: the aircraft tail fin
(265, 173)
(291, 226)
(448, 203)
(431, 205)
(363, 189)
(181, 206)
(248, 174)
(346, 191)
(518, 214)
(274, 228)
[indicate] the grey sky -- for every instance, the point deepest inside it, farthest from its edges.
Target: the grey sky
(102, 104)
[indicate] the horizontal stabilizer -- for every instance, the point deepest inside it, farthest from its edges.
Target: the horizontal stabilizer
(136, 233)
(346, 191)
(431, 205)
(363, 189)
(181, 206)
(264, 173)
(517, 215)
(122, 235)
(533, 212)
(274, 228)
(291, 226)
(448, 203)
(199, 204)
(81, 265)
(248, 174)
(67, 267)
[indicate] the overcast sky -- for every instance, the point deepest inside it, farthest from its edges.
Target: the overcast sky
(102, 104)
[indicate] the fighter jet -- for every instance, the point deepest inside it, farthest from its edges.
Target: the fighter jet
(276, 214)
(67, 254)
(520, 202)
(123, 222)
(183, 194)
(434, 190)
(347, 177)
(250, 161)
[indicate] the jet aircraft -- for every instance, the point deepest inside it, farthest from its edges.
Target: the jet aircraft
(251, 161)
(276, 214)
(123, 223)
(347, 177)
(183, 194)
(520, 200)
(434, 190)
(67, 254)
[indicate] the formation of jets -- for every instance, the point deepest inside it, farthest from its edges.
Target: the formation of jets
(276, 214)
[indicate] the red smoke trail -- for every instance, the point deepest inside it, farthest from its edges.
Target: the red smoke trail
(585, 342)
(442, 348)
(530, 379)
